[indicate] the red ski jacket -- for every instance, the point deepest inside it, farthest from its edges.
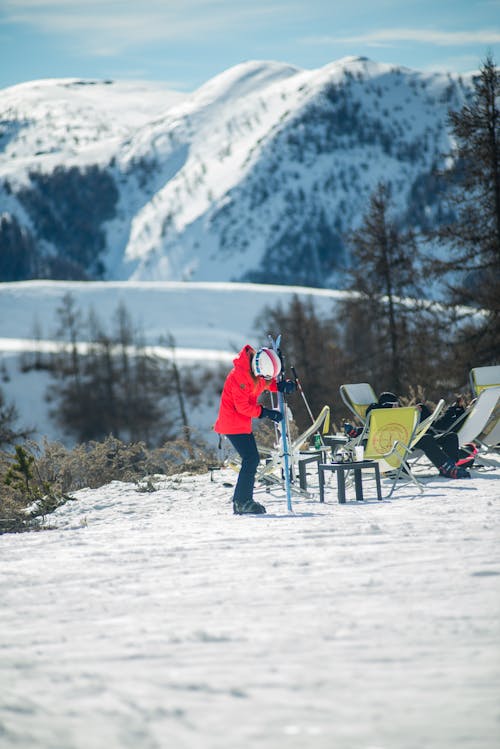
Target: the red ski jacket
(238, 403)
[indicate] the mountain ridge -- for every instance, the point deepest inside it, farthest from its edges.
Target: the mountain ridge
(256, 176)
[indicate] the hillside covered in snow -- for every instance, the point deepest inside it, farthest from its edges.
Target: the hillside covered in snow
(256, 176)
(160, 620)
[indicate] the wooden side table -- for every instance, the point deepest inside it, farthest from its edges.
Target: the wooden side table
(341, 469)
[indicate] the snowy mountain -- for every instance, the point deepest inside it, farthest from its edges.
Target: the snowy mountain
(256, 176)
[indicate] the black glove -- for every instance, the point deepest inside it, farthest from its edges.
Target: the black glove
(270, 413)
(351, 431)
(287, 386)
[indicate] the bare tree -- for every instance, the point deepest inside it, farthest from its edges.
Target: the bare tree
(113, 386)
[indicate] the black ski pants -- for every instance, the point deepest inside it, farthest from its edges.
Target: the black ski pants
(439, 449)
(246, 447)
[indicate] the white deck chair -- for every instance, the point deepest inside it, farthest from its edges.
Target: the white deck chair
(484, 377)
(357, 397)
(270, 469)
(481, 424)
(491, 439)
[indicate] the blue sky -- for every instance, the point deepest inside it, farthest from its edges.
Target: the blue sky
(186, 42)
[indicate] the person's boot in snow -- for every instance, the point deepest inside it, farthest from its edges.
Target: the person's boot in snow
(248, 507)
(451, 471)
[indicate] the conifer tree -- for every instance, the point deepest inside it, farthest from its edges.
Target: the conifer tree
(21, 474)
(471, 269)
(384, 270)
(8, 417)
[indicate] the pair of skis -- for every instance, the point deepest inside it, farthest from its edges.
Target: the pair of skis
(285, 431)
(318, 425)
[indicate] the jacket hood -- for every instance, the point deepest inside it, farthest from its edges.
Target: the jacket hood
(242, 361)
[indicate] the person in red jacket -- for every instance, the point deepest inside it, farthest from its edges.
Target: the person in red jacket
(252, 373)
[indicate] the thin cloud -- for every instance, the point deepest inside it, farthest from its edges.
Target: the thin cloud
(387, 37)
(467, 64)
(110, 26)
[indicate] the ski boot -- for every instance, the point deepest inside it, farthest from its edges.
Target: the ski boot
(248, 507)
(452, 471)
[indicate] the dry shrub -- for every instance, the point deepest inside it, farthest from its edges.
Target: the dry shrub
(12, 509)
(61, 470)
(94, 464)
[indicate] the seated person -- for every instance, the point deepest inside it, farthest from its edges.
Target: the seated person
(441, 449)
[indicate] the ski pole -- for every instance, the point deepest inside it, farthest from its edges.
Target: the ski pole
(301, 391)
(299, 388)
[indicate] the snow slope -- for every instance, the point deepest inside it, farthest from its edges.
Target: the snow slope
(61, 117)
(161, 620)
(199, 315)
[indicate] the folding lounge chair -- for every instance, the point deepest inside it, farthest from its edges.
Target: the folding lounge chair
(420, 430)
(490, 439)
(481, 423)
(270, 470)
(357, 397)
(423, 426)
(390, 434)
(484, 377)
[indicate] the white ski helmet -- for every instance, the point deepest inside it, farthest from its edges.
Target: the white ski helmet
(266, 363)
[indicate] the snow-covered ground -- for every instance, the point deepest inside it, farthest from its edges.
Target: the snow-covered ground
(162, 621)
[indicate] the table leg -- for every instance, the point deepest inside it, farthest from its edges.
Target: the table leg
(341, 486)
(377, 480)
(358, 484)
(302, 475)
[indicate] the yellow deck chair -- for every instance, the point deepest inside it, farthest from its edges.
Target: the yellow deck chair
(357, 397)
(484, 377)
(390, 435)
